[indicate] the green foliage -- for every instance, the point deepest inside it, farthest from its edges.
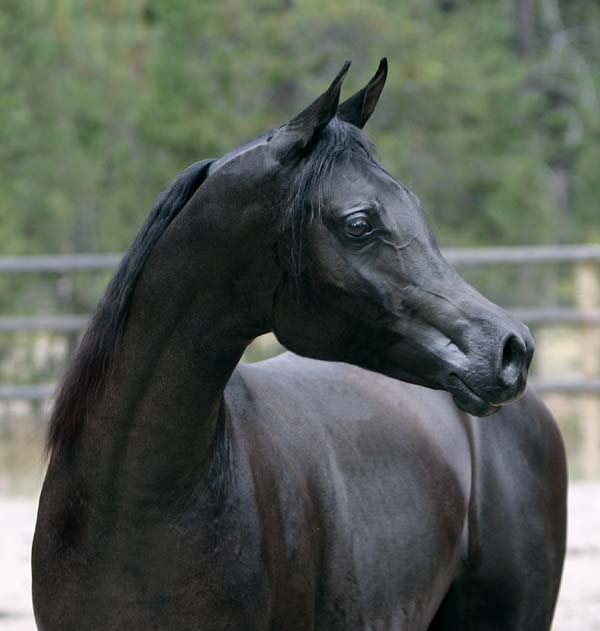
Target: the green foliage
(102, 102)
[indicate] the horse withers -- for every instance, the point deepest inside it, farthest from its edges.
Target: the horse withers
(346, 485)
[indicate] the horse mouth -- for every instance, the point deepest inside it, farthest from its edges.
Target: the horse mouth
(448, 376)
(467, 399)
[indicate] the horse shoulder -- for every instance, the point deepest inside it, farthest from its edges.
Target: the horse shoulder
(351, 470)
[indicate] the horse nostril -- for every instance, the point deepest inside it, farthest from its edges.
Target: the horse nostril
(510, 351)
(513, 359)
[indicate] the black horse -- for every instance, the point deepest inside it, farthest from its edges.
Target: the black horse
(185, 492)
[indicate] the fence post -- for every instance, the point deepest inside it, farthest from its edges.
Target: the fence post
(587, 288)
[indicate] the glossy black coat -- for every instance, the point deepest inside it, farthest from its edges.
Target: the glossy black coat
(185, 492)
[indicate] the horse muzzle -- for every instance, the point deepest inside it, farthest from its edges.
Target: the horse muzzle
(495, 378)
(482, 369)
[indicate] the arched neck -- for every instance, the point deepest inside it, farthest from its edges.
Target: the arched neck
(205, 293)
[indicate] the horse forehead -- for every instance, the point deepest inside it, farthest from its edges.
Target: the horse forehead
(350, 179)
(370, 183)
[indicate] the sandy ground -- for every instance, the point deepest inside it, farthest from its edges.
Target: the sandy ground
(578, 605)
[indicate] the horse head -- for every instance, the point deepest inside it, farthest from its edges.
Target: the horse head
(360, 278)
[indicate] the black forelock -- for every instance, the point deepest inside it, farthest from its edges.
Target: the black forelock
(338, 144)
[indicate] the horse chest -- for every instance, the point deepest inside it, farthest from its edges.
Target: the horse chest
(186, 573)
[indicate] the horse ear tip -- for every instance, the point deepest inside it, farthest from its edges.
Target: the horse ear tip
(383, 65)
(341, 75)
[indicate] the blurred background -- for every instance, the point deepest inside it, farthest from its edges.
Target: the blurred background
(491, 114)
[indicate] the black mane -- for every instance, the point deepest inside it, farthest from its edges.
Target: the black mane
(91, 364)
(337, 144)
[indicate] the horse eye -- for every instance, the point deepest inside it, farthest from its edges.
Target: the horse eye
(357, 227)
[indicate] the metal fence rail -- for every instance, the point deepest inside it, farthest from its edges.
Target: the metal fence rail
(58, 323)
(59, 263)
(28, 392)
(456, 256)
(524, 254)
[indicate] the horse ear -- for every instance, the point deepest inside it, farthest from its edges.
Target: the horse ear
(305, 128)
(358, 108)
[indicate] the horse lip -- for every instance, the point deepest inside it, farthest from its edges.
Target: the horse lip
(457, 383)
(468, 399)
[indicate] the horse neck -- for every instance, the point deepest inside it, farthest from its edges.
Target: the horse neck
(196, 307)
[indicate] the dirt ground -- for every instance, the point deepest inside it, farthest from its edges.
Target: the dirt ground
(578, 605)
